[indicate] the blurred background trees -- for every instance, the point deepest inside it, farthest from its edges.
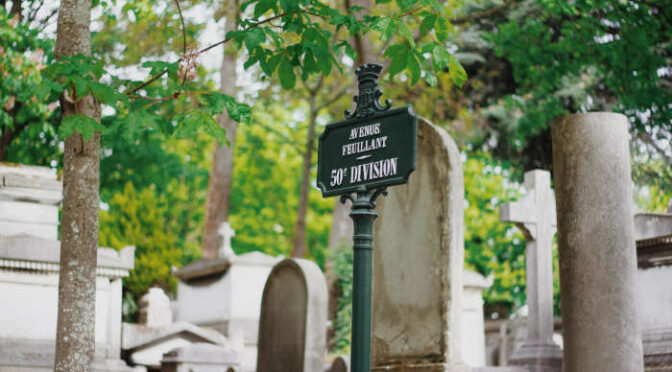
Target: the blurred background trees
(527, 61)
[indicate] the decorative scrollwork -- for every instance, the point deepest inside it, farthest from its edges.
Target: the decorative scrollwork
(368, 98)
(364, 198)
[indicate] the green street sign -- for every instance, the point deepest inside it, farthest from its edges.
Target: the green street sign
(371, 151)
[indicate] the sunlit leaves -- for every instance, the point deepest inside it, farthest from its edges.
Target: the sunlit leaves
(286, 74)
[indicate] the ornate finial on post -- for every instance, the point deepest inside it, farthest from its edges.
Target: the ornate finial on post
(368, 98)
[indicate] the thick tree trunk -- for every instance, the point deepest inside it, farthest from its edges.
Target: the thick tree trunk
(221, 175)
(75, 335)
(299, 243)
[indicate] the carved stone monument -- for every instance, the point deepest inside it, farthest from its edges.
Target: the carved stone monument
(293, 324)
(535, 216)
(29, 267)
(418, 263)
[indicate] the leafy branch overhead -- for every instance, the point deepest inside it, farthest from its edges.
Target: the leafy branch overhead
(288, 39)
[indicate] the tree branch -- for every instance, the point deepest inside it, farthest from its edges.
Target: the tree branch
(184, 29)
(159, 75)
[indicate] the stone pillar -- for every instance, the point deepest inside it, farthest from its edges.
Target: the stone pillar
(598, 263)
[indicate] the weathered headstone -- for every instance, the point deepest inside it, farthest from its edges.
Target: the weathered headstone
(292, 328)
(535, 216)
(418, 263)
(596, 242)
(340, 364)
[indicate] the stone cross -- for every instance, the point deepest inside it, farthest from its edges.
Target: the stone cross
(535, 215)
(226, 232)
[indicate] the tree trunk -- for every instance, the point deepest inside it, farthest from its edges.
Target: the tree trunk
(16, 9)
(75, 334)
(362, 42)
(299, 243)
(341, 227)
(221, 175)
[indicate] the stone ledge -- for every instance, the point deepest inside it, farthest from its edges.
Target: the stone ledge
(25, 252)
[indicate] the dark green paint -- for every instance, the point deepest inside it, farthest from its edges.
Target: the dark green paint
(399, 126)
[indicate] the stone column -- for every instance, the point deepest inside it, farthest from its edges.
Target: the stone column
(598, 263)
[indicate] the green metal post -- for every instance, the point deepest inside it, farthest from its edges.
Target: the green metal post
(363, 215)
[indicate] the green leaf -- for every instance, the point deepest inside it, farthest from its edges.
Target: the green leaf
(457, 72)
(239, 112)
(406, 33)
(390, 30)
(81, 87)
(443, 29)
(158, 67)
(414, 67)
(286, 74)
(398, 55)
(253, 38)
(263, 6)
(428, 23)
(271, 64)
(440, 57)
(289, 6)
(213, 128)
(104, 93)
(80, 123)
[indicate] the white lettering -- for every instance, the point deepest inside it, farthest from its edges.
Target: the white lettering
(374, 170)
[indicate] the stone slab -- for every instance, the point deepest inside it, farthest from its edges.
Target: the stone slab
(652, 225)
(200, 357)
(418, 261)
(30, 249)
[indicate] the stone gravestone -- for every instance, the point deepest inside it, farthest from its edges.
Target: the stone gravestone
(340, 364)
(596, 243)
(293, 324)
(418, 263)
(535, 216)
